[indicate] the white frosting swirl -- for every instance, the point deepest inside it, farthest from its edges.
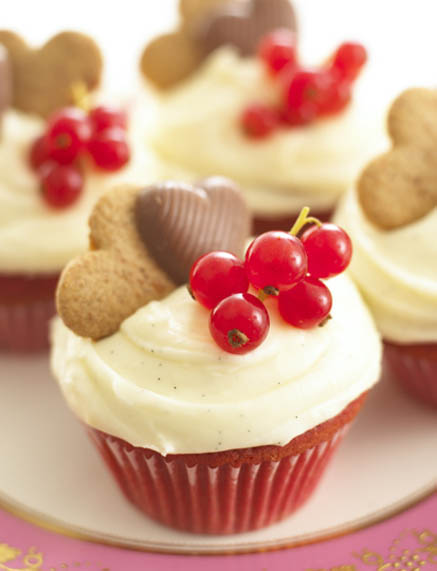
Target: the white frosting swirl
(162, 383)
(396, 271)
(198, 134)
(33, 236)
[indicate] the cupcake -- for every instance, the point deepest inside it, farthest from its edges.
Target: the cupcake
(47, 184)
(240, 104)
(214, 414)
(392, 219)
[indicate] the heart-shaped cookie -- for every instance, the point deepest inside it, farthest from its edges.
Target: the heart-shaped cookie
(170, 58)
(178, 223)
(207, 25)
(43, 78)
(400, 186)
(242, 25)
(192, 10)
(127, 268)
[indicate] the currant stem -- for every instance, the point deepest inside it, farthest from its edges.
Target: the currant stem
(262, 295)
(302, 220)
(267, 292)
(80, 95)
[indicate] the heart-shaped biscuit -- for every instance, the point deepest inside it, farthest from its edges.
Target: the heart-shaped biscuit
(171, 57)
(101, 288)
(242, 25)
(126, 269)
(179, 223)
(192, 11)
(43, 78)
(400, 186)
(207, 25)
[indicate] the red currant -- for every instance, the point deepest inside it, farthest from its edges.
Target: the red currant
(329, 250)
(109, 149)
(297, 117)
(349, 59)
(275, 261)
(278, 49)
(105, 116)
(304, 95)
(239, 323)
(68, 132)
(307, 304)
(259, 121)
(337, 96)
(215, 276)
(39, 152)
(61, 185)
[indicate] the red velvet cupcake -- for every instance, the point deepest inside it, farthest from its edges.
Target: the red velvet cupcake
(27, 303)
(55, 161)
(392, 220)
(225, 492)
(216, 414)
(244, 105)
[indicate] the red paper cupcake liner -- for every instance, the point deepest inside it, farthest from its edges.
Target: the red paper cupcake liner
(414, 370)
(262, 224)
(26, 307)
(223, 499)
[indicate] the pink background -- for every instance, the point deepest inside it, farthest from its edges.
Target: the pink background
(410, 537)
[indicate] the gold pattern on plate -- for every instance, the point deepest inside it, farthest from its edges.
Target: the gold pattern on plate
(422, 557)
(46, 522)
(32, 560)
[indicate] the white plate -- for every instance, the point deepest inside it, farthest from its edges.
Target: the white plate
(51, 473)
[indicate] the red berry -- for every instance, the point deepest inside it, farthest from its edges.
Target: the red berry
(105, 116)
(109, 149)
(39, 152)
(239, 323)
(337, 96)
(297, 117)
(304, 95)
(259, 121)
(329, 250)
(68, 132)
(215, 276)
(278, 49)
(307, 304)
(61, 185)
(349, 59)
(275, 260)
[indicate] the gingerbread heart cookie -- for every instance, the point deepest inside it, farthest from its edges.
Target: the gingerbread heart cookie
(143, 243)
(170, 58)
(207, 25)
(242, 25)
(44, 78)
(400, 186)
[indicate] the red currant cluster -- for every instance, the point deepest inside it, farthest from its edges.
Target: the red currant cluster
(277, 264)
(71, 133)
(306, 94)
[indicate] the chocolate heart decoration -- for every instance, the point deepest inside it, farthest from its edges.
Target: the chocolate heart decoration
(180, 222)
(242, 25)
(43, 78)
(5, 81)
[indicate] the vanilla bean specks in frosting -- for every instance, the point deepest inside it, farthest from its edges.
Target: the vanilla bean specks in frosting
(161, 372)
